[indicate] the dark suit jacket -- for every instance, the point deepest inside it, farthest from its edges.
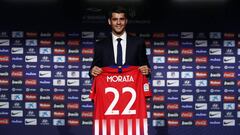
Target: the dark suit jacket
(135, 52)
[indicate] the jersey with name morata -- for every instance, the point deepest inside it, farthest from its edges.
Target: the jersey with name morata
(119, 102)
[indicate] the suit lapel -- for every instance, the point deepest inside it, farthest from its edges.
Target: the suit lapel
(110, 50)
(128, 49)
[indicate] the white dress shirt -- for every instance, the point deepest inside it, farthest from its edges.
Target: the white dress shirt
(124, 46)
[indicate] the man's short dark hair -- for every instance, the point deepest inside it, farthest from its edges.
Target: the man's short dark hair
(118, 9)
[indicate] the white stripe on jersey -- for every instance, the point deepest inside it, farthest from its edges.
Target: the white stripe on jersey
(129, 127)
(140, 123)
(112, 123)
(104, 127)
(96, 127)
(145, 126)
(137, 127)
(121, 127)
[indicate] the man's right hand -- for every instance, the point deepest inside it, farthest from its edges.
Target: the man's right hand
(96, 71)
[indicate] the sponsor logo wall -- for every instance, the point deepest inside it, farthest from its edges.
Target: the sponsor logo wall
(195, 79)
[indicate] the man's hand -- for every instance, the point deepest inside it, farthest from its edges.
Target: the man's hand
(96, 71)
(144, 69)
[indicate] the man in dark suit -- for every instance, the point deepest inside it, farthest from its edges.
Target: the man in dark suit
(132, 50)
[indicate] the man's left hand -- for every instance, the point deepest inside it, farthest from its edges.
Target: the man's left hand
(144, 69)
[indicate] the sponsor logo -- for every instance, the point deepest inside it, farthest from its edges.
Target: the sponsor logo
(73, 42)
(4, 105)
(158, 35)
(45, 34)
(215, 83)
(59, 59)
(186, 114)
(59, 42)
(86, 114)
(187, 83)
(71, 106)
(200, 123)
(59, 51)
(187, 35)
(201, 75)
(44, 74)
(17, 50)
(30, 82)
(215, 51)
(87, 34)
(4, 58)
(201, 106)
(85, 98)
(187, 51)
(158, 59)
(187, 123)
(228, 122)
(31, 97)
(73, 59)
(187, 59)
(4, 121)
(30, 121)
(58, 97)
(44, 106)
(158, 123)
(59, 114)
(215, 114)
(59, 122)
(58, 82)
(4, 42)
(229, 106)
(229, 43)
(201, 43)
(215, 35)
(172, 43)
(4, 81)
(16, 73)
(158, 51)
(73, 82)
(172, 74)
(158, 114)
(17, 97)
(186, 98)
(86, 51)
(200, 83)
(4, 50)
(44, 114)
(31, 34)
(58, 106)
(30, 105)
(229, 98)
(201, 59)
(59, 34)
(45, 42)
(158, 83)
(173, 123)
(172, 106)
(173, 51)
(172, 83)
(30, 58)
(73, 74)
(158, 98)
(73, 51)
(185, 74)
(73, 122)
(173, 59)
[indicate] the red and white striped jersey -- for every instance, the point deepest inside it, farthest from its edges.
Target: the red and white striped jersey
(119, 102)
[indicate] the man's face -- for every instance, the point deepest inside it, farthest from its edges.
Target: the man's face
(118, 22)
